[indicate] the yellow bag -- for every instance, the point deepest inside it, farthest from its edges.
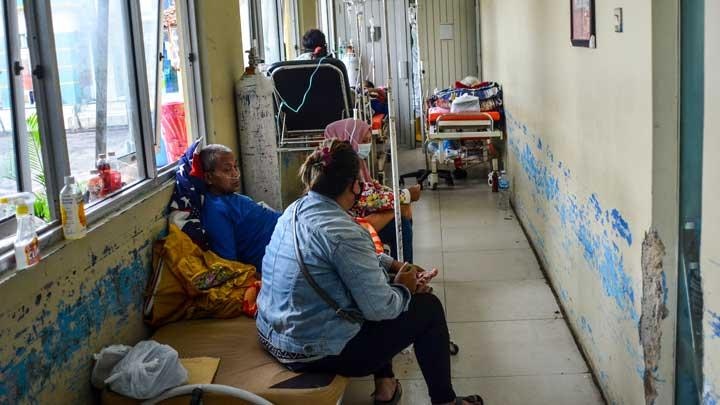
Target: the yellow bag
(189, 283)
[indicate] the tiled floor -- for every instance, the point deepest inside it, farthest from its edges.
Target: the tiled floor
(515, 348)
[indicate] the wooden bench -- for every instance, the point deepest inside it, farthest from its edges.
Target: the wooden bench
(244, 364)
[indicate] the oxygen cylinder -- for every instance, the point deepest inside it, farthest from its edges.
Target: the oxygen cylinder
(352, 65)
(257, 132)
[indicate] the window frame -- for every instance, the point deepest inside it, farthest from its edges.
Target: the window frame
(49, 107)
(258, 29)
(23, 181)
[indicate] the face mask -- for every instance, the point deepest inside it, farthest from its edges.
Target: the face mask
(364, 150)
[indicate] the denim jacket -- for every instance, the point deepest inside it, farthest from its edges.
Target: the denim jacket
(340, 256)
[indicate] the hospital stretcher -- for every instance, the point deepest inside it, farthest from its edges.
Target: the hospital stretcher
(378, 154)
(475, 130)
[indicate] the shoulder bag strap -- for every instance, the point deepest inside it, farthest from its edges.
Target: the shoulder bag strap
(352, 317)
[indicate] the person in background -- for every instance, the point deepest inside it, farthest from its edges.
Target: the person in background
(376, 203)
(314, 45)
(317, 241)
(378, 97)
(238, 228)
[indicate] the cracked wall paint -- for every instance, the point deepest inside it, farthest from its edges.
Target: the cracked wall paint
(710, 395)
(581, 234)
(84, 296)
(714, 324)
(598, 231)
(653, 310)
(112, 300)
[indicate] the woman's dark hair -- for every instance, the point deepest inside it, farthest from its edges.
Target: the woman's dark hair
(313, 39)
(331, 168)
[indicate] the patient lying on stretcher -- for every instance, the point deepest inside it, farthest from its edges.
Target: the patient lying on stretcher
(238, 228)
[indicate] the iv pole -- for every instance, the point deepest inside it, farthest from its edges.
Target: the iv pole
(393, 138)
(358, 49)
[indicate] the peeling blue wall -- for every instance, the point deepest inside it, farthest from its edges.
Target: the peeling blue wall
(86, 295)
(79, 315)
(583, 220)
(576, 231)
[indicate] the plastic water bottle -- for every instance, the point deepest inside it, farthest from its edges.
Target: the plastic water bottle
(504, 189)
(72, 210)
(27, 246)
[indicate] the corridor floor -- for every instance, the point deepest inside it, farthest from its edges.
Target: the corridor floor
(515, 348)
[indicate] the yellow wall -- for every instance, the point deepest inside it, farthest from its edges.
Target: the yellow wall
(592, 146)
(221, 59)
(84, 295)
(308, 16)
(88, 294)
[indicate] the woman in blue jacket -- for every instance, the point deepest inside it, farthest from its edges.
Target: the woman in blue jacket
(327, 303)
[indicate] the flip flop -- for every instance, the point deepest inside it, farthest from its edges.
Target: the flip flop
(473, 399)
(395, 398)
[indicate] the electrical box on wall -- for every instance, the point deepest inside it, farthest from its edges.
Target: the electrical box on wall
(446, 32)
(374, 34)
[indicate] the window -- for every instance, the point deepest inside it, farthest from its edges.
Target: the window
(21, 160)
(80, 89)
(326, 21)
(290, 30)
(95, 65)
(271, 40)
(246, 27)
(150, 14)
(170, 79)
(8, 162)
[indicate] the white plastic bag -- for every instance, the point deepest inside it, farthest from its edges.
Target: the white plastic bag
(464, 103)
(148, 370)
(470, 81)
(104, 363)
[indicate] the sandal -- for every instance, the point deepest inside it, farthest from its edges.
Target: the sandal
(473, 399)
(395, 398)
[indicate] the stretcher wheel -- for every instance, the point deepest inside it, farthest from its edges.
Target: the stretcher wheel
(454, 348)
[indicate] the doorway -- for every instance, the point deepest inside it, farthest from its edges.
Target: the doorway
(689, 364)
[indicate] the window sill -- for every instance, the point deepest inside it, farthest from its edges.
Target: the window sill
(51, 237)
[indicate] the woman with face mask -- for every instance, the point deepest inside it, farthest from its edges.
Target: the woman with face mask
(376, 202)
(328, 303)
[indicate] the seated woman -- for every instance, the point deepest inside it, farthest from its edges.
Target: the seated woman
(314, 45)
(326, 304)
(238, 228)
(376, 203)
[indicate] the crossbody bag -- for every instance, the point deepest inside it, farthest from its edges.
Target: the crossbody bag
(350, 316)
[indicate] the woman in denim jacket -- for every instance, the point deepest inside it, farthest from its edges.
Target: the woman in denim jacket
(376, 316)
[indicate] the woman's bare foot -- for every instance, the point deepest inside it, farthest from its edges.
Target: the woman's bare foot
(385, 388)
(415, 192)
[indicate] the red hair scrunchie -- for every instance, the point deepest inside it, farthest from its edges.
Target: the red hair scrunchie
(197, 169)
